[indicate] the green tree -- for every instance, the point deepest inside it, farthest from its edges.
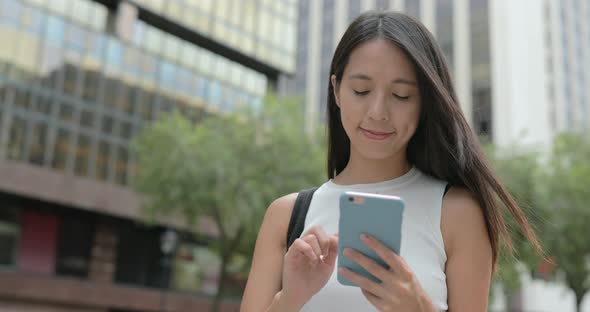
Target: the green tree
(229, 167)
(519, 169)
(565, 193)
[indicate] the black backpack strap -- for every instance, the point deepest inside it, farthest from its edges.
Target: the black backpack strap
(298, 214)
(447, 188)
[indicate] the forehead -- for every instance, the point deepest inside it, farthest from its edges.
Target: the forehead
(379, 58)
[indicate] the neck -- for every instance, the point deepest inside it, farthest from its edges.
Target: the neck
(361, 170)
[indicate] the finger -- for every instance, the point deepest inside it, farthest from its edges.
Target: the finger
(323, 239)
(362, 281)
(368, 264)
(313, 242)
(394, 261)
(304, 248)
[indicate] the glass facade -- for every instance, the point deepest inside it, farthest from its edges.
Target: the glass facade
(413, 8)
(264, 29)
(9, 235)
(444, 29)
(354, 9)
(480, 68)
(72, 95)
(327, 51)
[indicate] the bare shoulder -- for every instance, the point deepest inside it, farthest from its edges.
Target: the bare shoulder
(264, 280)
(462, 219)
(469, 253)
(279, 211)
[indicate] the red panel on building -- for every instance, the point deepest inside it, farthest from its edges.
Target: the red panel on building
(38, 243)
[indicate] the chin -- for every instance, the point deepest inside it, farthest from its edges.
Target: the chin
(377, 154)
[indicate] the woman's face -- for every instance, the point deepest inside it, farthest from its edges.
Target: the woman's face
(379, 100)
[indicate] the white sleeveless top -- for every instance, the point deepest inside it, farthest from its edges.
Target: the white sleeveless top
(422, 245)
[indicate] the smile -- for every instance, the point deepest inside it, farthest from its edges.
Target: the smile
(376, 135)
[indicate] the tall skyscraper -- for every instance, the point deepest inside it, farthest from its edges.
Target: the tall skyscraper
(78, 80)
(519, 68)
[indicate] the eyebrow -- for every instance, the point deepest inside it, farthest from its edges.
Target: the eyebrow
(398, 80)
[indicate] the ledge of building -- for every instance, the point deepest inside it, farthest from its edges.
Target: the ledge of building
(83, 294)
(82, 193)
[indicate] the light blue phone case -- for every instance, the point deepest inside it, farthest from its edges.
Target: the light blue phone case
(377, 215)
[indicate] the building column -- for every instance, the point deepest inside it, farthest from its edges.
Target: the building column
(428, 15)
(312, 107)
(462, 56)
(397, 5)
(340, 20)
(367, 5)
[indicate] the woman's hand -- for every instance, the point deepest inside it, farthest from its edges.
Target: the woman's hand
(399, 289)
(308, 265)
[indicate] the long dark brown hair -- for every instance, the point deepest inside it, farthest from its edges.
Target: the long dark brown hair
(443, 146)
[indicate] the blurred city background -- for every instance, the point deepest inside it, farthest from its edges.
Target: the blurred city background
(142, 140)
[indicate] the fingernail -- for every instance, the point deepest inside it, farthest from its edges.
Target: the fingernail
(347, 252)
(365, 236)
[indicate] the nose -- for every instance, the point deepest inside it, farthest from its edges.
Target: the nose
(378, 108)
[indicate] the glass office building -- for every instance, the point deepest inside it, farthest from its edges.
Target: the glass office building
(78, 80)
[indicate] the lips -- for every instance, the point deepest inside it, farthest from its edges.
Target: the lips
(376, 134)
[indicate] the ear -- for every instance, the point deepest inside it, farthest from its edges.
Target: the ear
(335, 89)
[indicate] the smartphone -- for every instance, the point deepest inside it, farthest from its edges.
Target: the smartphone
(378, 215)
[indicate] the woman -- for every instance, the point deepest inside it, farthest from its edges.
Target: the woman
(394, 127)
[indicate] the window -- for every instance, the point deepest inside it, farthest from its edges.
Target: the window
(10, 12)
(74, 244)
(52, 60)
(66, 112)
(61, 149)
(38, 143)
(91, 85)
(32, 20)
(123, 99)
(102, 161)
(121, 165)
(70, 79)
(107, 124)
(87, 118)
(125, 128)
(9, 235)
(139, 260)
(82, 155)
(22, 98)
(43, 105)
(114, 53)
(55, 29)
(16, 143)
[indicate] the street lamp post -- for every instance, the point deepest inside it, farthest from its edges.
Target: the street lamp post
(168, 242)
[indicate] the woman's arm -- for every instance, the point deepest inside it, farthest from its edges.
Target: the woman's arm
(469, 253)
(262, 291)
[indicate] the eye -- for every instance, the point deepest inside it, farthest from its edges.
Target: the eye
(360, 93)
(401, 98)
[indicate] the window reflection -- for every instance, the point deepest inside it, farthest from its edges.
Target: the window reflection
(121, 165)
(67, 55)
(66, 112)
(61, 149)
(38, 143)
(9, 235)
(82, 155)
(22, 98)
(16, 142)
(102, 161)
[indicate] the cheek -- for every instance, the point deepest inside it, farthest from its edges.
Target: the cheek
(351, 112)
